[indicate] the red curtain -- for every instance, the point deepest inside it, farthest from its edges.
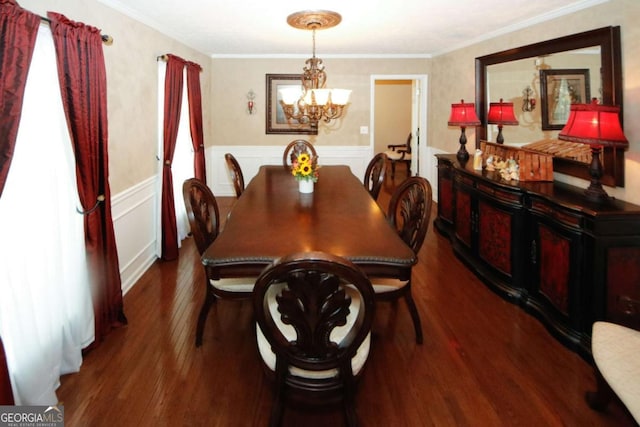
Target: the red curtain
(83, 85)
(195, 119)
(172, 102)
(18, 30)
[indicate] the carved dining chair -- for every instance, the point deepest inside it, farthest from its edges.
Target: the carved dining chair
(235, 172)
(374, 175)
(409, 213)
(314, 313)
(296, 148)
(204, 219)
(617, 366)
(400, 153)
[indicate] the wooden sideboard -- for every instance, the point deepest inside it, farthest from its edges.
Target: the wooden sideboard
(541, 245)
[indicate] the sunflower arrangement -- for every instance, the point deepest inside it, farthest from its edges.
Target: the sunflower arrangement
(304, 167)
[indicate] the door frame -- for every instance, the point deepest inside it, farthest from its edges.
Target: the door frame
(419, 142)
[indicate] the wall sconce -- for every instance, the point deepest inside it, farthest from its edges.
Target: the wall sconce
(597, 126)
(501, 113)
(528, 101)
(463, 115)
(251, 95)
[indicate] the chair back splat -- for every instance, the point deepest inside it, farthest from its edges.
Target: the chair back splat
(235, 172)
(410, 210)
(314, 313)
(374, 175)
(296, 148)
(202, 211)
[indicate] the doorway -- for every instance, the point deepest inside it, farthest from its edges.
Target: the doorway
(399, 106)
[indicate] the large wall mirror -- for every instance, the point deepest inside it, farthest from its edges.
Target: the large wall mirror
(529, 76)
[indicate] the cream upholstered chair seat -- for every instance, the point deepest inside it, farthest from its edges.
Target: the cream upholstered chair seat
(383, 285)
(616, 353)
(233, 284)
(397, 155)
(338, 333)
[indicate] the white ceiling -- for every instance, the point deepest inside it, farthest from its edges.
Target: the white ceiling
(369, 28)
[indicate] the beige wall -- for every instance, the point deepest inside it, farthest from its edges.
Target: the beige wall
(131, 85)
(131, 77)
(233, 78)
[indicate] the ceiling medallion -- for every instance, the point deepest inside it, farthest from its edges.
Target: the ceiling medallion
(314, 19)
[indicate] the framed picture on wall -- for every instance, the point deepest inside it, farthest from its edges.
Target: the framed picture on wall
(558, 90)
(276, 122)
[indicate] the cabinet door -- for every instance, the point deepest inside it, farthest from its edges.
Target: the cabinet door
(494, 236)
(463, 218)
(445, 195)
(558, 265)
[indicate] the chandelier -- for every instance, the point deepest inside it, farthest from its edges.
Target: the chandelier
(312, 102)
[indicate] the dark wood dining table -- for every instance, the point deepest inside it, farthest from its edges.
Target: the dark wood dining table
(272, 219)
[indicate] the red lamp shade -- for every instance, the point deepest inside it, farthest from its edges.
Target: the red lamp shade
(501, 113)
(463, 114)
(594, 124)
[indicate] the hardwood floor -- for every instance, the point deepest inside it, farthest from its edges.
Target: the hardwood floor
(484, 361)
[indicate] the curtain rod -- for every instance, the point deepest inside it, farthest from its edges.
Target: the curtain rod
(106, 39)
(165, 58)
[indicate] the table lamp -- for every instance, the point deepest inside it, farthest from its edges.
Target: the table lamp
(598, 126)
(501, 113)
(463, 115)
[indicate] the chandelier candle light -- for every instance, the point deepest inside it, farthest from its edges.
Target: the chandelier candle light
(313, 102)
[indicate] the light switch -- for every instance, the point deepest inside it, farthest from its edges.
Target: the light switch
(364, 130)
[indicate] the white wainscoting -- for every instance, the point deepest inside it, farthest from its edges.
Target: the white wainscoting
(251, 158)
(134, 214)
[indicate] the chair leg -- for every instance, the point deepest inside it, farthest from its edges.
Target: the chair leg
(413, 310)
(599, 400)
(350, 413)
(393, 170)
(349, 403)
(277, 410)
(209, 299)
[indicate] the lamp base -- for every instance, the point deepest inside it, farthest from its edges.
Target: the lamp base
(462, 154)
(595, 192)
(500, 138)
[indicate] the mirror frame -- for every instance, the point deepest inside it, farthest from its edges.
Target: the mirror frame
(608, 39)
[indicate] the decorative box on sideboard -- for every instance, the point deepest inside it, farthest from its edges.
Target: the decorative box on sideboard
(541, 245)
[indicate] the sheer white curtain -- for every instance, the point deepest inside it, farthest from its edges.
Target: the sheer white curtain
(182, 166)
(46, 313)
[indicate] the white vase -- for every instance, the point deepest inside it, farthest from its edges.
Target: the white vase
(305, 186)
